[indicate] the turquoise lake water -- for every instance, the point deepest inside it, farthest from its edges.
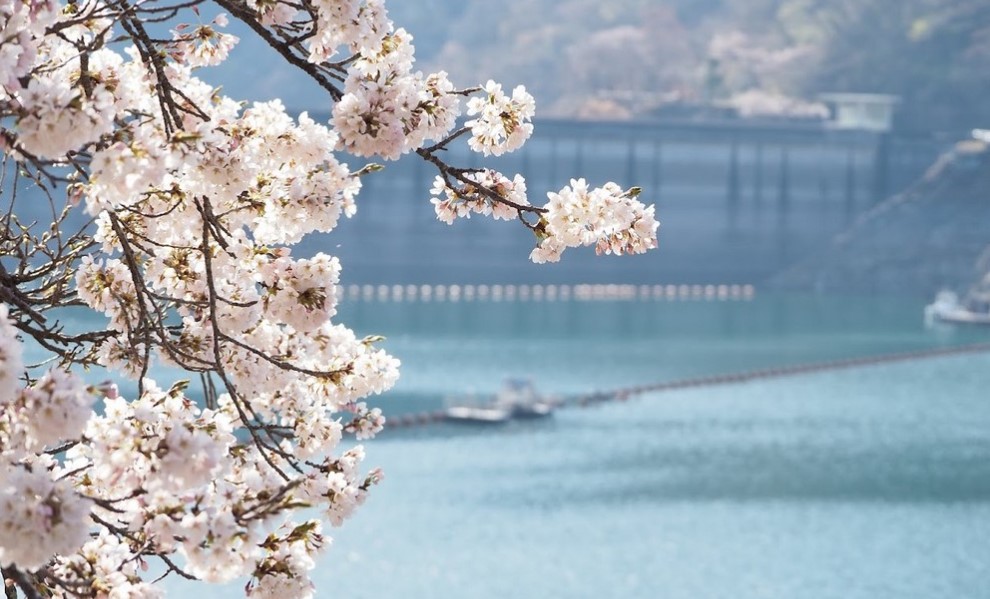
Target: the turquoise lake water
(862, 483)
(573, 347)
(858, 483)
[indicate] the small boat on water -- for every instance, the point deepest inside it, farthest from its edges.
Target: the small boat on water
(974, 308)
(517, 400)
(479, 414)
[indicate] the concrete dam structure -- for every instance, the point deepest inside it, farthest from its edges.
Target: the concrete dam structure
(737, 202)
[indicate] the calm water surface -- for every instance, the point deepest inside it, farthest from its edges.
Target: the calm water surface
(869, 482)
(578, 346)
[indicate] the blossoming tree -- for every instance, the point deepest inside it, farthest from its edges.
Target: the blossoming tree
(194, 200)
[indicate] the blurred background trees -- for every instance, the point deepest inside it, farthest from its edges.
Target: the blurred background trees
(628, 57)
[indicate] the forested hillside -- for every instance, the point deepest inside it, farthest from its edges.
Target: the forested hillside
(931, 236)
(626, 58)
(621, 57)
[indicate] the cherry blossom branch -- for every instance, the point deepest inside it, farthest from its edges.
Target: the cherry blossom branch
(263, 447)
(197, 199)
(23, 581)
(249, 19)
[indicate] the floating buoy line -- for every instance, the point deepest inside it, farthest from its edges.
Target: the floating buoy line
(626, 393)
(549, 293)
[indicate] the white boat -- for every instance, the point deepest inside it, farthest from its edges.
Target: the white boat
(517, 399)
(479, 414)
(974, 308)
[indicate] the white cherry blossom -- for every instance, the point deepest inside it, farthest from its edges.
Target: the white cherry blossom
(11, 360)
(502, 123)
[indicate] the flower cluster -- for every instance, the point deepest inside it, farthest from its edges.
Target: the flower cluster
(55, 118)
(159, 442)
(40, 513)
(610, 219)
(502, 123)
(23, 24)
(50, 410)
(359, 25)
(289, 556)
(387, 110)
(488, 192)
(105, 566)
(11, 359)
(607, 217)
(40, 516)
(204, 45)
(366, 423)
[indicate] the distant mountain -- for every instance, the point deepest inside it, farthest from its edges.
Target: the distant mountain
(555, 48)
(621, 58)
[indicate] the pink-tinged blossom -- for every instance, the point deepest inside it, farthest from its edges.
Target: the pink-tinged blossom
(502, 123)
(107, 567)
(203, 45)
(160, 441)
(358, 25)
(55, 408)
(39, 516)
(23, 24)
(301, 293)
(548, 250)
(284, 571)
(11, 362)
(609, 218)
(56, 118)
(366, 423)
(387, 110)
(273, 12)
(488, 193)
